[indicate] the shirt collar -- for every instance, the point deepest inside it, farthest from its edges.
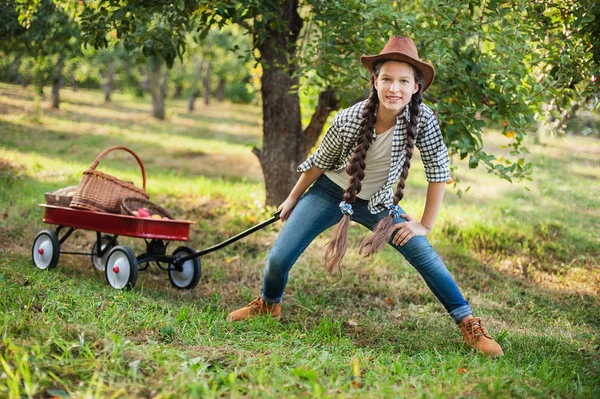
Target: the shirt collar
(405, 114)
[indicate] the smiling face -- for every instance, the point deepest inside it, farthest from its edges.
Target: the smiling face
(395, 84)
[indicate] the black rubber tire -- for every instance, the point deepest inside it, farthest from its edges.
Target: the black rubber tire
(189, 277)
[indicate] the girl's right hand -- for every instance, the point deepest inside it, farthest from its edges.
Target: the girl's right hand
(286, 208)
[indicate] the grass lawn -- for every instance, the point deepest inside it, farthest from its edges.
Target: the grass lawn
(525, 255)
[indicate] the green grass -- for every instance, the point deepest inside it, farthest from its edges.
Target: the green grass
(526, 257)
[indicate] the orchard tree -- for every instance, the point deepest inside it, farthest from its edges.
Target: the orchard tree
(497, 62)
(215, 66)
(47, 34)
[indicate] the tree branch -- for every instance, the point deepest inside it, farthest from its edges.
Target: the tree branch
(327, 103)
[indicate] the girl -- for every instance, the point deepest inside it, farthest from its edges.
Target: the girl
(368, 149)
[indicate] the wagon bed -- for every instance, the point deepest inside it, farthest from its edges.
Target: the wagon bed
(123, 225)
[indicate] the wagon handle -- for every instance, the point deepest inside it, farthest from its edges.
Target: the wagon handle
(119, 147)
(271, 220)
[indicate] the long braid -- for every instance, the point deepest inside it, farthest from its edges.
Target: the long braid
(384, 229)
(411, 134)
(336, 247)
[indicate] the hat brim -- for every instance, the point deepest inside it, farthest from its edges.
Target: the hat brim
(426, 69)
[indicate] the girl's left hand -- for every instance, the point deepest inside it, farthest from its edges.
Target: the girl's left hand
(407, 230)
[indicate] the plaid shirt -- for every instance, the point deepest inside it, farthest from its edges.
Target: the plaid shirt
(339, 143)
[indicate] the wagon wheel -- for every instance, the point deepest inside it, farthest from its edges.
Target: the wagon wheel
(121, 268)
(190, 273)
(99, 262)
(45, 250)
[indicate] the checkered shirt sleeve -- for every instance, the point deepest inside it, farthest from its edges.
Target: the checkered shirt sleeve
(431, 145)
(338, 142)
(327, 154)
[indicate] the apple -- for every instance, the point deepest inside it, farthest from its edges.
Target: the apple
(143, 212)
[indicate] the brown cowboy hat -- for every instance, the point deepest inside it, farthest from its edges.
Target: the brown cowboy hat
(403, 49)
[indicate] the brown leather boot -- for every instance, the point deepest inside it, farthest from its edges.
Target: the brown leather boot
(477, 337)
(255, 308)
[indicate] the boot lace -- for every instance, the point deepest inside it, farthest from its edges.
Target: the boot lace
(257, 304)
(475, 329)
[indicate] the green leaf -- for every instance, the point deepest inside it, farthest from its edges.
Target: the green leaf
(473, 162)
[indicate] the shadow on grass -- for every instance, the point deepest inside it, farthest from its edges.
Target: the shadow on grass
(84, 149)
(146, 124)
(219, 120)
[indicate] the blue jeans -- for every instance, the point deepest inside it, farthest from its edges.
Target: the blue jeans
(318, 210)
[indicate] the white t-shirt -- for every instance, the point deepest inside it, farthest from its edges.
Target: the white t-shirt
(377, 170)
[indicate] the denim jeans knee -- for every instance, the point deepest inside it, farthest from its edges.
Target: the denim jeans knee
(315, 212)
(419, 253)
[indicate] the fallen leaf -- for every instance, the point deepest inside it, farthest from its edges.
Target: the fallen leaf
(356, 372)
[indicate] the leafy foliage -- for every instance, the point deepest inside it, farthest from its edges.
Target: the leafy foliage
(156, 28)
(498, 62)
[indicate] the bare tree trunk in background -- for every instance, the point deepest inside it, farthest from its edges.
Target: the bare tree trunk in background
(39, 83)
(56, 81)
(109, 82)
(198, 67)
(143, 85)
(569, 115)
(14, 70)
(74, 83)
(192, 99)
(220, 92)
(207, 84)
(178, 91)
(157, 84)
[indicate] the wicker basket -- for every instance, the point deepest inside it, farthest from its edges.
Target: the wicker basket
(130, 204)
(100, 192)
(61, 197)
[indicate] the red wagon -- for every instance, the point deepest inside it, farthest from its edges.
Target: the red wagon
(118, 262)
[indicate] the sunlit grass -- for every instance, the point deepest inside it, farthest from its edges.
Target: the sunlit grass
(525, 255)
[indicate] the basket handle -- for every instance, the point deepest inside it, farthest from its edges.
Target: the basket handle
(118, 147)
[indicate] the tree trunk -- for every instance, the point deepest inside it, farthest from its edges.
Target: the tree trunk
(56, 82)
(569, 115)
(207, 84)
(198, 67)
(282, 125)
(14, 70)
(143, 85)
(108, 84)
(285, 145)
(220, 92)
(178, 91)
(157, 84)
(192, 99)
(74, 83)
